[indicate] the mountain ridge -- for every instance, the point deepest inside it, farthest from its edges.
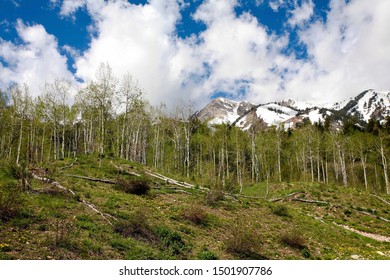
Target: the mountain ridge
(289, 112)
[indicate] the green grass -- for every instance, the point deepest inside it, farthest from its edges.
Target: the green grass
(166, 224)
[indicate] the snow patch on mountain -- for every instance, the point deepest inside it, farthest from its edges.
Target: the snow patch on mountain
(288, 112)
(275, 114)
(367, 105)
(315, 116)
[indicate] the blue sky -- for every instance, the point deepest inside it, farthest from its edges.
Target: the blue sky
(259, 50)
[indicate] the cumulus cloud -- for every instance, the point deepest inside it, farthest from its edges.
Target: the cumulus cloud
(301, 13)
(35, 61)
(240, 54)
(234, 54)
(348, 53)
(139, 39)
(275, 4)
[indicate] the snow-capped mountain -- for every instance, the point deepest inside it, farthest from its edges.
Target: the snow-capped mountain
(288, 112)
(368, 104)
(222, 110)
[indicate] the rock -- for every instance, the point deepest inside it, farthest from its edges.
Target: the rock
(355, 257)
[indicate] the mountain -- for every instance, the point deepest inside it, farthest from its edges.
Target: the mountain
(289, 113)
(222, 110)
(368, 104)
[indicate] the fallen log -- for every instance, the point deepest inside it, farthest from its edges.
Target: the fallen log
(175, 182)
(378, 197)
(107, 181)
(169, 180)
(53, 183)
(88, 204)
(91, 206)
(68, 166)
(310, 201)
(284, 197)
(372, 215)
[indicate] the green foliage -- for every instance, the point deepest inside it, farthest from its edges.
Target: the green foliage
(243, 240)
(64, 235)
(196, 214)
(171, 240)
(280, 210)
(205, 254)
(17, 171)
(305, 253)
(11, 201)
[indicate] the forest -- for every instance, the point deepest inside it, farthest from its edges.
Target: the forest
(111, 117)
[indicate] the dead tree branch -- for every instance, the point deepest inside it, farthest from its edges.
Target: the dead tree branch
(284, 197)
(378, 197)
(310, 201)
(107, 181)
(88, 204)
(68, 166)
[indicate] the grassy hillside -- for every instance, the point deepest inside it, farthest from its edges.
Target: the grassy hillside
(143, 217)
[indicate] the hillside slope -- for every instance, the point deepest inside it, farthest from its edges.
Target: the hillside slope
(87, 211)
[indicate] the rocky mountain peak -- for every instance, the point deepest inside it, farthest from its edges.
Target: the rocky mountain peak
(289, 112)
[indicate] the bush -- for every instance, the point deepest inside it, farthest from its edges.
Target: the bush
(137, 187)
(294, 240)
(62, 231)
(305, 253)
(280, 210)
(196, 215)
(11, 201)
(244, 241)
(20, 172)
(207, 255)
(136, 226)
(171, 240)
(213, 197)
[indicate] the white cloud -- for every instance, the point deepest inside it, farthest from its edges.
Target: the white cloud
(69, 7)
(259, 2)
(35, 61)
(236, 54)
(349, 52)
(136, 39)
(301, 13)
(275, 4)
(239, 53)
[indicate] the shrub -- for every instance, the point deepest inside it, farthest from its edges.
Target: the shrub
(136, 226)
(137, 187)
(10, 201)
(280, 210)
(294, 240)
(196, 215)
(305, 253)
(171, 240)
(64, 233)
(213, 197)
(207, 255)
(20, 172)
(242, 240)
